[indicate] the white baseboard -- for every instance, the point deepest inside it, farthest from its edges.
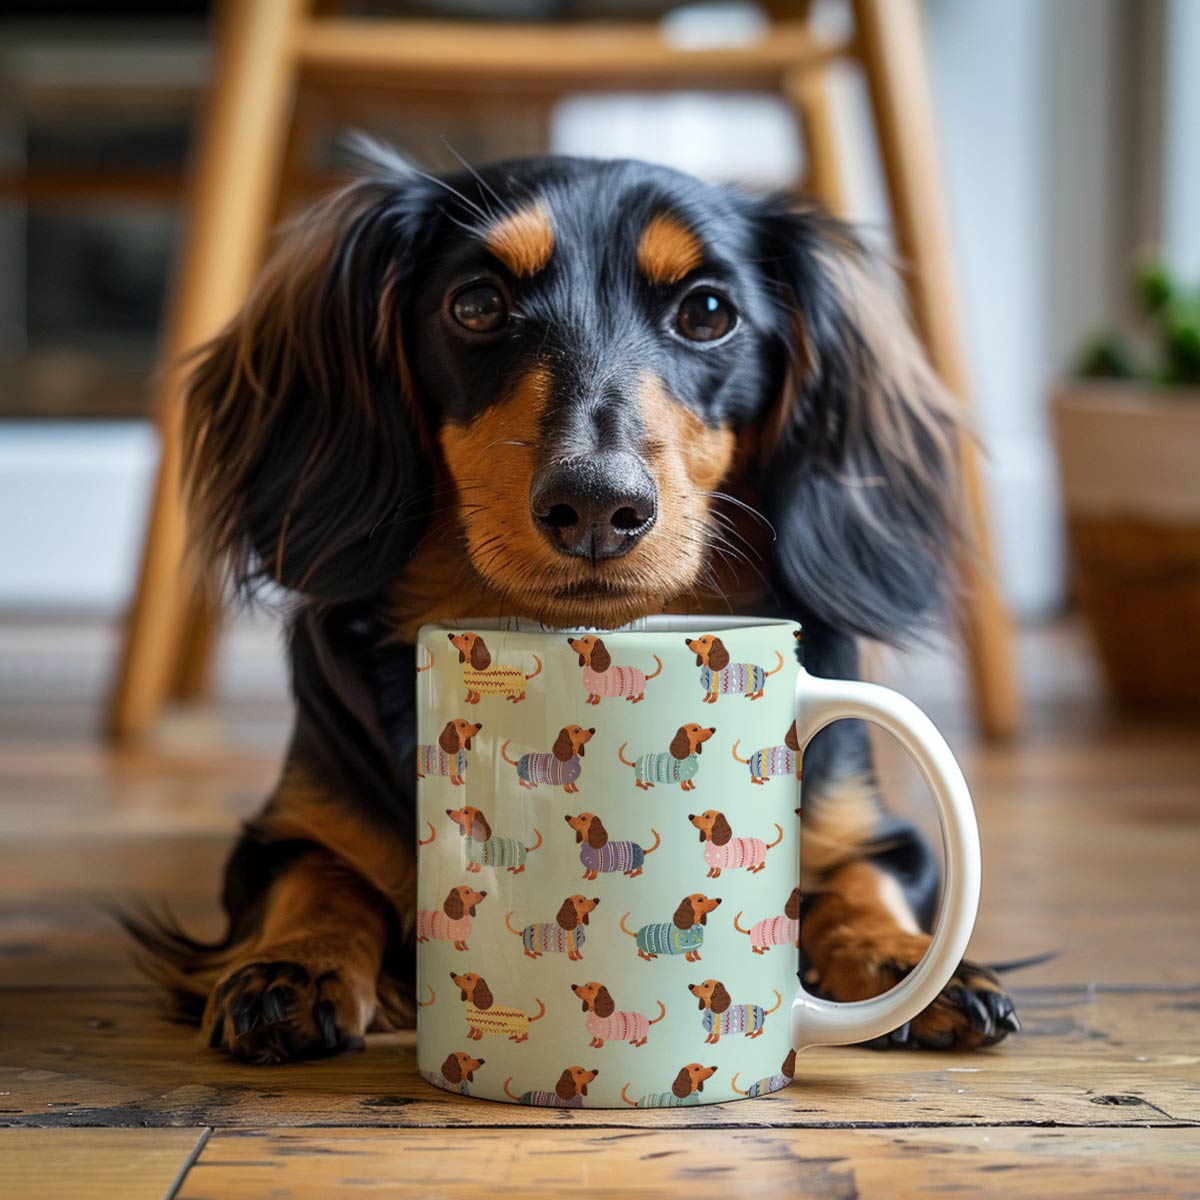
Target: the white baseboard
(72, 503)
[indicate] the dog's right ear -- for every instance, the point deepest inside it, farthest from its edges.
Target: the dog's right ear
(303, 442)
(601, 659)
(481, 831)
(481, 659)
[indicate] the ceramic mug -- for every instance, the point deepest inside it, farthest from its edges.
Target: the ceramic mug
(609, 864)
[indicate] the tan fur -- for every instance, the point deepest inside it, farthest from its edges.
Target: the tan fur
(668, 250)
(836, 825)
(523, 241)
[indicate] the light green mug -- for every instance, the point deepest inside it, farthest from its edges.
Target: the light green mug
(609, 873)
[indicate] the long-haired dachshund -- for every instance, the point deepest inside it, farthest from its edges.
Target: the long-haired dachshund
(579, 392)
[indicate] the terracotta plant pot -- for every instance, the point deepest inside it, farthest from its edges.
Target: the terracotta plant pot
(1129, 457)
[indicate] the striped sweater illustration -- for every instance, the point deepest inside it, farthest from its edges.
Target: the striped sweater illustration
(664, 937)
(433, 760)
(505, 852)
(612, 856)
(665, 768)
(542, 767)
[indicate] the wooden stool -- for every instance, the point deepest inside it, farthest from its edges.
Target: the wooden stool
(267, 50)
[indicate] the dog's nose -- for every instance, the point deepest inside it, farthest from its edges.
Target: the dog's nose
(595, 507)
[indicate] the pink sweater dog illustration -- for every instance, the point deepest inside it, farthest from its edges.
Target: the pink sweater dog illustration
(724, 851)
(451, 922)
(603, 679)
(783, 930)
(606, 1024)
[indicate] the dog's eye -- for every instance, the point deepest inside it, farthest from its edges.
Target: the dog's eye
(705, 316)
(481, 308)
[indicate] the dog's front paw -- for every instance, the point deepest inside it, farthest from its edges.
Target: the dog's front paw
(276, 1010)
(972, 1009)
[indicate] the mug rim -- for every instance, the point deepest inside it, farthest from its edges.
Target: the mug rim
(658, 623)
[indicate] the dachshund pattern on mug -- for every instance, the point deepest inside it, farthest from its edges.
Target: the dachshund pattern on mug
(679, 764)
(600, 856)
(482, 677)
(783, 930)
(564, 935)
(568, 1092)
(504, 774)
(602, 678)
(772, 1083)
(686, 1089)
(457, 1073)
(481, 849)
(561, 767)
(723, 851)
(452, 922)
(772, 760)
(721, 676)
(606, 1024)
(484, 1015)
(682, 934)
(722, 1016)
(449, 757)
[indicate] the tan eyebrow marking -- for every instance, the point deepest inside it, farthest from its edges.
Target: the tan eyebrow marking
(668, 250)
(522, 241)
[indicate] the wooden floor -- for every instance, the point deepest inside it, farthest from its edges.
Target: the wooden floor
(1091, 832)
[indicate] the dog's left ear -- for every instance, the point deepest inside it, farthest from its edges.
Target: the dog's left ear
(303, 442)
(860, 457)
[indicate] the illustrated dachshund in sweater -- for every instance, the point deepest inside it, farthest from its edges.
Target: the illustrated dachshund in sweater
(452, 922)
(449, 756)
(484, 1015)
(561, 767)
(481, 849)
(724, 851)
(772, 1083)
(457, 1073)
(679, 764)
(686, 1089)
(606, 1024)
(602, 678)
(564, 935)
(482, 677)
(773, 760)
(719, 676)
(568, 1092)
(722, 1016)
(783, 930)
(601, 856)
(682, 934)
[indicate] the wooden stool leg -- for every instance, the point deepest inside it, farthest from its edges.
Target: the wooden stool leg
(808, 92)
(231, 199)
(889, 37)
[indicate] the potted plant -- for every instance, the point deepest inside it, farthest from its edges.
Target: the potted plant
(1127, 427)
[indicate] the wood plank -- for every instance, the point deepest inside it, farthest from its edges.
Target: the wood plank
(718, 1163)
(127, 1164)
(554, 57)
(1087, 1058)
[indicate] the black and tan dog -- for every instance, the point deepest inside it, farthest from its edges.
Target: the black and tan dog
(581, 392)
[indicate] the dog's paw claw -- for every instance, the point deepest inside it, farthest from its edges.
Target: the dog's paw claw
(274, 1012)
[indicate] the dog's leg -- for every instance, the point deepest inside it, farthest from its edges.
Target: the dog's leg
(871, 886)
(305, 986)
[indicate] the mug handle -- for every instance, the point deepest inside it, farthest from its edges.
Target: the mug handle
(816, 1022)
